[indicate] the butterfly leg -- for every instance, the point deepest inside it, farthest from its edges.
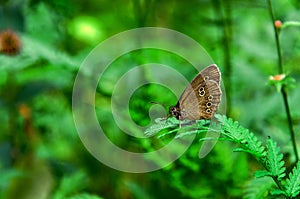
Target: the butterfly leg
(180, 118)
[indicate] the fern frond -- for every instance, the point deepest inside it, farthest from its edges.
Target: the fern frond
(253, 145)
(278, 192)
(186, 127)
(275, 161)
(293, 182)
(230, 128)
(192, 132)
(71, 184)
(262, 173)
(159, 125)
(241, 135)
(258, 188)
(84, 196)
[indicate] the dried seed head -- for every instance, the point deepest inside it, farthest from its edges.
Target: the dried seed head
(10, 43)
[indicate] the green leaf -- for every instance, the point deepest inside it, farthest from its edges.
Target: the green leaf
(293, 182)
(84, 196)
(7, 175)
(187, 133)
(290, 23)
(258, 188)
(253, 144)
(282, 80)
(247, 140)
(261, 173)
(160, 125)
(71, 184)
(275, 160)
(277, 192)
(189, 127)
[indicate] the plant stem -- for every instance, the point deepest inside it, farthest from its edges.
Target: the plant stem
(223, 11)
(227, 38)
(279, 185)
(290, 123)
(142, 9)
(264, 164)
(280, 67)
(283, 90)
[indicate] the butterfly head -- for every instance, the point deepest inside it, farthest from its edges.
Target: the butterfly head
(175, 111)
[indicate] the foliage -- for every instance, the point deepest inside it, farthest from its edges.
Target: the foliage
(72, 184)
(274, 163)
(41, 155)
(258, 188)
(287, 82)
(84, 196)
(293, 182)
(6, 176)
(269, 156)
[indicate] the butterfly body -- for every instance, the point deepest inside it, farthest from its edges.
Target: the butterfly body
(201, 98)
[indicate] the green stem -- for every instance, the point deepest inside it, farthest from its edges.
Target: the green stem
(227, 38)
(142, 9)
(264, 164)
(280, 67)
(223, 12)
(290, 23)
(283, 91)
(9, 94)
(290, 123)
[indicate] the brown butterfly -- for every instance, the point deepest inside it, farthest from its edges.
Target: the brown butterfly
(201, 98)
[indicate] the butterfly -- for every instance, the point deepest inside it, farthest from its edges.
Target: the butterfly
(201, 98)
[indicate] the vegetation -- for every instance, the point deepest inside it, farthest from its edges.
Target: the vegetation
(256, 45)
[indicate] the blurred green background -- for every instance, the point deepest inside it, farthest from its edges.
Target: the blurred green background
(41, 155)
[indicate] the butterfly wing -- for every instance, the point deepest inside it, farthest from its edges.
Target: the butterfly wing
(211, 72)
(201, 98)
